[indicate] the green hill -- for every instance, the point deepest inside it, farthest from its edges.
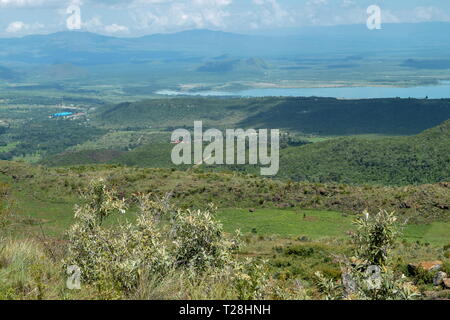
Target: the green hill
(396, 160)
(419, 159)
(323, 116)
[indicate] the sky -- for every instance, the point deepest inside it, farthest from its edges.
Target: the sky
(129, 18)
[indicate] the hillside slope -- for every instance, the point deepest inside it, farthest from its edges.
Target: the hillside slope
(419, 159)
(324, 116)
(400, 160)
(197, 188)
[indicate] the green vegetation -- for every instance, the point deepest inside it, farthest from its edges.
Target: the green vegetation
(197, 255)
(363, 188)
(45, 196)
(369, 273)
(297, 227)
(317, 225)
(321, 116)
(311, 224)
(138, 134)
(47, 137)
(395, 161)
(378, 160)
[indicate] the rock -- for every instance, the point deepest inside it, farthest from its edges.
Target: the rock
(303, 239)
(439, 278)
(436, 295)
(350, 286)
(431, 266)
(405, 205)
(446, 282)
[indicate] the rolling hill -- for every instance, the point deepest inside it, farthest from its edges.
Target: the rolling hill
(395, 160)
(406, 160)
(323, 116)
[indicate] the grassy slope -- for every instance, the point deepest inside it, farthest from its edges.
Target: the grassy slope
(295, 241)
(317, 225)
(46, 196)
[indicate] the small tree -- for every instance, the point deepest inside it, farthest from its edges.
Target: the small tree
(375, 237)
(368, 275)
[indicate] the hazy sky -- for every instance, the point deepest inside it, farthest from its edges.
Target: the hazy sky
(139, 17)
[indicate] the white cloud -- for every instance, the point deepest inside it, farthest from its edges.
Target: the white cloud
(138, 17)
(20, 27)
(348, 3)
(15, 26)
(27, 3)
(93, 24)
(317, 2)
(270, 13)
(169, 15)
(430, 13)
(115, 28)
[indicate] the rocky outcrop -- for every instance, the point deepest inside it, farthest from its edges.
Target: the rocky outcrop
(439, 278)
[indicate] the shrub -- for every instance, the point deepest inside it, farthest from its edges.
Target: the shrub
(199, 240)
(368, 275)
(374, 237)
(422, 276)
(117, 256)
(163, 242)
(299, 250)
(250, 280)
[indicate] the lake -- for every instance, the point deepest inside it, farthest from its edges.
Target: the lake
(433, 92)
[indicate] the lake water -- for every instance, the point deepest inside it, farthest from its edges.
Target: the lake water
(433, 92)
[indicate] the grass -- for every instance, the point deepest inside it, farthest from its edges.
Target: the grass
(317, 224)
(433, 233)
(314, 224)
(54, 216)
(44, 198)
(296, 238)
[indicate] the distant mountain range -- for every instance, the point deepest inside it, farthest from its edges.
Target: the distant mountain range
(83, 48)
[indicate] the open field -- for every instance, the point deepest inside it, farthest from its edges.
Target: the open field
(317, 225)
